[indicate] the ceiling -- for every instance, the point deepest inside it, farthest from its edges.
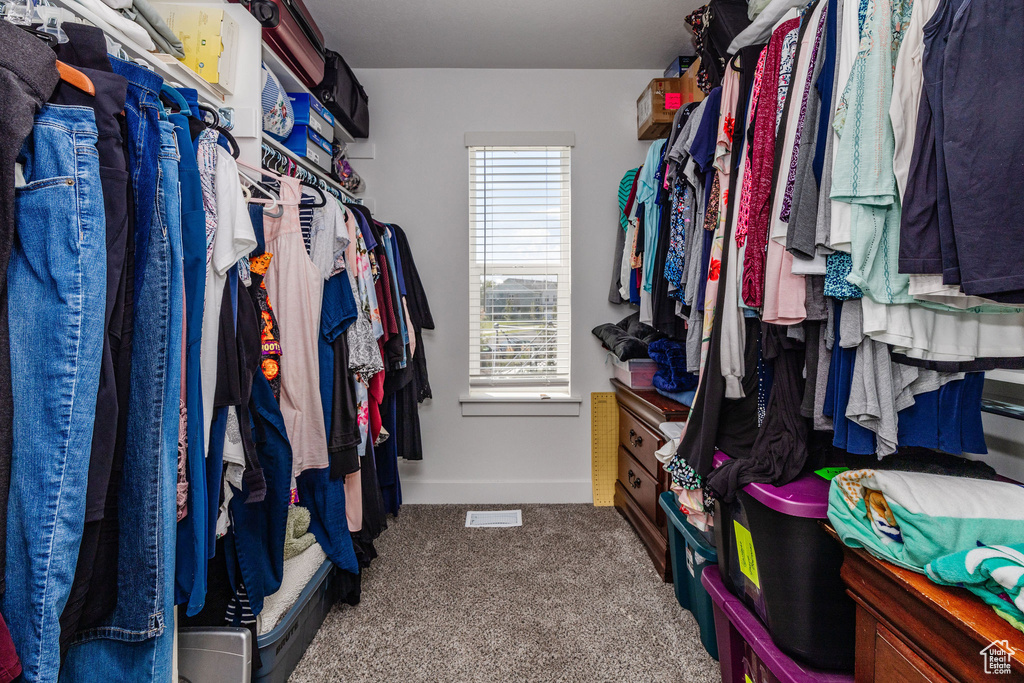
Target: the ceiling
(520, 34)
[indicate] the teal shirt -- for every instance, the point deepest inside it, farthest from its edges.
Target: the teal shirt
(863, 172)
(647, 193)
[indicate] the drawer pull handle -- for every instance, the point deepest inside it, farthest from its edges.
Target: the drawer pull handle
(635, 440)
(636, 483)
(631, 476)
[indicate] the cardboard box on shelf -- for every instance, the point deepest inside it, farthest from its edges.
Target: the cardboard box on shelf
(209, 38)
(657, 106)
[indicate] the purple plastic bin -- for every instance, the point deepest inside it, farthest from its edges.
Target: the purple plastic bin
(738, 630)
(796, 590)
(806, 496)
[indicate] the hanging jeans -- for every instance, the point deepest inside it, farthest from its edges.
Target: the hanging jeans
(94, 595)
(27, 78)
(190, 573)
(135, 644)
(56, 301)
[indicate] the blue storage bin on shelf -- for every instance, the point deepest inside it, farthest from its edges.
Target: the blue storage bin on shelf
(690, 555)
(306, 142)
(309, 112)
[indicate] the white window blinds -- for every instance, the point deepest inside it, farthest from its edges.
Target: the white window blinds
(519, 288)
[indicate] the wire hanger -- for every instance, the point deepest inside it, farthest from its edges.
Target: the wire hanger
(275, 200)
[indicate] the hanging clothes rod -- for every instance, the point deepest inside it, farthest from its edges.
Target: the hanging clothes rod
(304, 169)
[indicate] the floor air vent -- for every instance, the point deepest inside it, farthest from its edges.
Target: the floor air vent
(494, 518)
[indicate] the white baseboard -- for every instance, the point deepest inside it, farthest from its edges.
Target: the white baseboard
(417, 491)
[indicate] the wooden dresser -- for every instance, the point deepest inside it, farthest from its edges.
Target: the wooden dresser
(641, 478)
(912, 630)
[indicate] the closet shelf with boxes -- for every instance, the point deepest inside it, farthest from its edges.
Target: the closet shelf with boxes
(292, 84)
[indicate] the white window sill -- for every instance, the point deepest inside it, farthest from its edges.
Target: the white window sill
(520, 404)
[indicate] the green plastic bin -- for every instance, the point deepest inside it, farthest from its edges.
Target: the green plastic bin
(690, 554)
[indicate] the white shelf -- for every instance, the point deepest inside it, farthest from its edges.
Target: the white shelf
(311, 168)
(176, 73)
(291, 83)
(1009, 376)
(172, 71)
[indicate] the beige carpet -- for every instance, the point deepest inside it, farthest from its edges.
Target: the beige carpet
(569, 596)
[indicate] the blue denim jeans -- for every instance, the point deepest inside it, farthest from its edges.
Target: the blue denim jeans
(142, 111)
(190, 573)
(57, 298)
(136, 642)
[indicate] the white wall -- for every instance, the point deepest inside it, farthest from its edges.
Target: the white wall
(1005, 440)
(418, 178)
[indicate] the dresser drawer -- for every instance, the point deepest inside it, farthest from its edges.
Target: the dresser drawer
(653, 538)
(639, 483)
(896, 662)
(640, 440)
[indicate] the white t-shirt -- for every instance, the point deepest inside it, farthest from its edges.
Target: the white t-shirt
(908, 81)
(328, 238)
(931, 334)
(849, 46)
(234, 239)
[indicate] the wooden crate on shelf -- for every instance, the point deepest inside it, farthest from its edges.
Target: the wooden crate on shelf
(662, 98)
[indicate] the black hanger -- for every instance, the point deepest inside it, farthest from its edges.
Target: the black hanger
(47, 38)
(199, 118)
(231, 140)
(210, 110)
(315, 188)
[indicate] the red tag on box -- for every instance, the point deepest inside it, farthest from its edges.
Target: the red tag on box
(673, 101)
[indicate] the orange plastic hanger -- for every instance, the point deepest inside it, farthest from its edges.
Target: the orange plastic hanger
(76, 78)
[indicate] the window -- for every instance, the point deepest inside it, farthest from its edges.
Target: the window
(519, 274)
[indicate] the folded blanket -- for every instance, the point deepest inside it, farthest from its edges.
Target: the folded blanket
(993, 573)
(297, 573)
(628, 338)
(911, 519)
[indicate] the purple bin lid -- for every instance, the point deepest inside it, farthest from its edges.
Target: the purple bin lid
(754, 633)
(806, 496)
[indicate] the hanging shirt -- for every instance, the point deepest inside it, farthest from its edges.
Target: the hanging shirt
(364, 354)
(646, 194)
(863, 172)
(762, 160)
(229, 238)
(907, 85)
(849, 47)
(295, 285)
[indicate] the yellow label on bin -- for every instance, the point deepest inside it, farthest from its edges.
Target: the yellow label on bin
(747, 678)
(745, 552)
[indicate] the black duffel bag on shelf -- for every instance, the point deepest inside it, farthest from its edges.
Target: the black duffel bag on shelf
(341, 93)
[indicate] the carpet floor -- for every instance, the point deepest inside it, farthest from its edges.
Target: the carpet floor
(569, 596)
